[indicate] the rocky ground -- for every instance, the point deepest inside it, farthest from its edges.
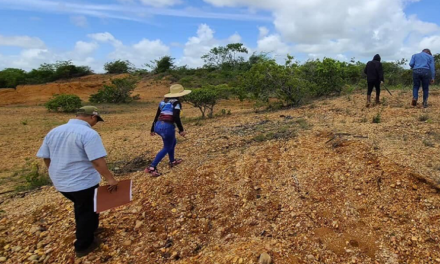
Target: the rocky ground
(316, 184)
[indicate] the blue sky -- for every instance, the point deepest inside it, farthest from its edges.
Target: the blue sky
(94, 32)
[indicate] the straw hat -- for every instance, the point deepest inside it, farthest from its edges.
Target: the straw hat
(177, 90)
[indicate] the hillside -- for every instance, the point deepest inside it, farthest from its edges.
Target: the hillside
(317, 184)
(40, 93)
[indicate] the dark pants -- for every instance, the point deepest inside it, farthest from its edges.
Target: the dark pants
(374, 84)
(86, 219)
(168, 134)
(421, 76)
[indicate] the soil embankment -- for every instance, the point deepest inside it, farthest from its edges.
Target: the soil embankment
(40, 93)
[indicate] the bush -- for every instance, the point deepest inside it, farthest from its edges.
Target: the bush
(119, 66)
(118, 92)
(64, 103)
(329, 78)
(267, 79)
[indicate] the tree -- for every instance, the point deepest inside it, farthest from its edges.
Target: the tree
(207, 97)
(162, 65)
(66, 70)
(49, 72)
(225, 56)
(118, 67)
(10, 77)
(118, 92)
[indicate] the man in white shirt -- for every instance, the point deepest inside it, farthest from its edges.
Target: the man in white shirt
(75, 157)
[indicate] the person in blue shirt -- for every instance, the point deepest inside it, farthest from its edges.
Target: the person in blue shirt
(167, 116)
(423, 68)
(75, 157)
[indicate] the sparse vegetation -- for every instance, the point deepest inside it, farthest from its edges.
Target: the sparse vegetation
(377, 118)
(119, 92)
(34, 176)
(47, 72)
(63, 103)
(119, 66)
(424, 118)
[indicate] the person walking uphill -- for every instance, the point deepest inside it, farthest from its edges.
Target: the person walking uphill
(423, 68)
(374, 72)
(75, 157)
(167, 116)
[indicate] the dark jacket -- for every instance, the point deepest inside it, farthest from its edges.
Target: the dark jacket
(374, 70)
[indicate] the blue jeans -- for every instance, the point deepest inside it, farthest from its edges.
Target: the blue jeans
(166, 131)
(421, 76)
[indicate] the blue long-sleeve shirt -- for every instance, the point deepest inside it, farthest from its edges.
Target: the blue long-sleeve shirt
(423, 60)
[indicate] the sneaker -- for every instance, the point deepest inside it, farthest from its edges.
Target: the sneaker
(95, 244)
(153, 171)
(175, 162)
(414, 102)
(425, 104)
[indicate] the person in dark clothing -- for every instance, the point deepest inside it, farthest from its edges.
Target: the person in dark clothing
(374, 72)
(167, 116)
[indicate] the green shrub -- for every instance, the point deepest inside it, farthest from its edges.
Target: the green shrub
(118, 92)
(268, 79)
(377, 118)
(64, 103)
(119, 66)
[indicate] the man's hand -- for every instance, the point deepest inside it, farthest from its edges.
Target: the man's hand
(182, 133)
(381, 82)
(113, 185)
(101, 166)
(432, 81)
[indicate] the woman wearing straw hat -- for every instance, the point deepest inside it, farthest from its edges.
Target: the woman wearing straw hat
(168, 114)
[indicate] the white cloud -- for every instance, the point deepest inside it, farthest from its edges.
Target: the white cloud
(236, 38)
(160, 3)
(83, 53)
(131, 10)
(432, 43)
(361, 28)
(22, 42)
(142, 52)
(79, 21)
(201, 44)
(106, 38)
(85, 48)
(263, 32)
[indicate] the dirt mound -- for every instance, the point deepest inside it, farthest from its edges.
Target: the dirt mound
(40, 93)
